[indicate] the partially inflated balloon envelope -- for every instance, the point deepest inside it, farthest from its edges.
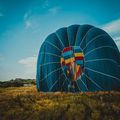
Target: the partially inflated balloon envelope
(78, 58)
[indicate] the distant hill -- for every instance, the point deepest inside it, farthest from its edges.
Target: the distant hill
(17, 82)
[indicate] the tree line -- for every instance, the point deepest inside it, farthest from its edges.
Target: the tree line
(17, 82)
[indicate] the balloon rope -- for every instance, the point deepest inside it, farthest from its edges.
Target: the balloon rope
(86, 35)
(101, 59)
(83, 83)
(46, 53)
(78, 86)
(68, 38)
(76, 36)
(95, 38)
(102, 73)
(60, 40)
(50, 73)
(93, 81)
(98, 49)
(53, 45)
(49, 63)
(56, 82)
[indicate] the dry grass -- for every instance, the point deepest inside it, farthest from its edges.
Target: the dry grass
(25, 103)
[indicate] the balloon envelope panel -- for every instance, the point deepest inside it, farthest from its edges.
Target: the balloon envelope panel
(100, 69)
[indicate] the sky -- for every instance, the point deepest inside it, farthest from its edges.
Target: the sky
(24, 25)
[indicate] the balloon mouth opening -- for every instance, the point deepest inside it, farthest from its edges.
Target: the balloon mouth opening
(72, 62)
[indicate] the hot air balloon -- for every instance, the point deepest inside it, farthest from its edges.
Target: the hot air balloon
(78, 58)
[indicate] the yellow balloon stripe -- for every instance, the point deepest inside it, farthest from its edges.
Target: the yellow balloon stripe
(70, 60)
(78, 54)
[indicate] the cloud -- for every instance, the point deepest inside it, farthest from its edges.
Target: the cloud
(27, 19)
(118, 44)
(28, 62)
(117, 38)
(28, 24)
(45, 4)
(29, 65)
(54, 10)
(113, 28)
(117, 41)
(27, 15)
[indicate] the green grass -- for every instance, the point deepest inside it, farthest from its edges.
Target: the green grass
(25, 103)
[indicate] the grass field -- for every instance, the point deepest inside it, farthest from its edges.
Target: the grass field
(25, 103)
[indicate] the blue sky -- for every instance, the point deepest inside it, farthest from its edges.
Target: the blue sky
(24, 24)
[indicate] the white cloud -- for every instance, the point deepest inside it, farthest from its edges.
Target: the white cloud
(118, 44)
(27, 15)
(45, 4)
(28, 62)
(54, 10)
(29, 65)
(27, 19)
(117, 38)
(113, 28)
(117, 41)
(28, 24)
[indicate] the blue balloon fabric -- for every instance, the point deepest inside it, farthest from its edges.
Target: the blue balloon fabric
(78, 58)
